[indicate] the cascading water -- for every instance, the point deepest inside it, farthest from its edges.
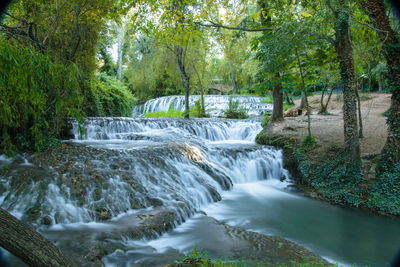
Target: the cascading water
(118, 186)
(215, 104)
(122, 164)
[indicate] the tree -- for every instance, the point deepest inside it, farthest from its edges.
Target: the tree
(344, 50)
(391, 50)
(25, 243)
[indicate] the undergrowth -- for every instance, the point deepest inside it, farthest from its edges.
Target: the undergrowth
(235, 111)
(199, 258)
(331, 176)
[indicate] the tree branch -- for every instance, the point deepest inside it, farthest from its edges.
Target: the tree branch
(218, 25)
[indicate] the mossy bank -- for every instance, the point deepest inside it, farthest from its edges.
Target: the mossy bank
(325, 175)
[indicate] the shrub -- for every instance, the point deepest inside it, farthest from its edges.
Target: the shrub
(37, 95)
(265, 120)
(195, 111)
(110, 97)
(385, 192)
(234, 111)
(308, 143)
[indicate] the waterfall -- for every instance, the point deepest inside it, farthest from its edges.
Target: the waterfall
(130, 164)
(215, 104)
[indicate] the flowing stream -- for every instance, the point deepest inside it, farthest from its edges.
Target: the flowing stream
(125, 172)
(215, 104)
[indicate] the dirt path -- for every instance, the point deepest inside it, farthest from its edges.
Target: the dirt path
(328, 129)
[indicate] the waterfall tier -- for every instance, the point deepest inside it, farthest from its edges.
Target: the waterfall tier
(127, 164)
(215, 104)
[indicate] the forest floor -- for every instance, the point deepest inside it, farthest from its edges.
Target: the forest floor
(328, 129)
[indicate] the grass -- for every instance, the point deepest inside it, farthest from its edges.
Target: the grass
(201, 259)
(194, 112)
(267, 99)
(165, 114)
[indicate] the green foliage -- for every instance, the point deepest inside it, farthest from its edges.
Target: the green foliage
(286, 106)
(267, 99)
(201, 259)
(109, 97)
(266, 118)
(234, 111)
(385, 192)
(335, 179)
(195, 111)
(171, 113)
(36, 95)
(196, 258)
(308, 143)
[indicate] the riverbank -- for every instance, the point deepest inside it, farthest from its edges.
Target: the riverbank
(320, 171)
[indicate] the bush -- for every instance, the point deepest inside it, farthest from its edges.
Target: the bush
(37, 95)
(195, 111)
(308, 143)
(385, 192)
(265, 120)
(234, 111)
(109, 97)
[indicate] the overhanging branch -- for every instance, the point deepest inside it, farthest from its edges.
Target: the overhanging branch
(218, 25)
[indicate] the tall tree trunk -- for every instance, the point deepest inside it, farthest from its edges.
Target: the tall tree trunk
(380, 84)
(361, 131)
(391, 50)
(346, 65)
(121, 30)
(303, 100)
(305, 93)
(180, 56)
(277, 112)
(28, 245)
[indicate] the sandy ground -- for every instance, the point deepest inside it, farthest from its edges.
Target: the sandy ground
(328, 129)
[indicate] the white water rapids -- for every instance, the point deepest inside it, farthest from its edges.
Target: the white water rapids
(123, 166)
(215, 104)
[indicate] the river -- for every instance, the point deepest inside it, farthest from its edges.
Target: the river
(185, 167)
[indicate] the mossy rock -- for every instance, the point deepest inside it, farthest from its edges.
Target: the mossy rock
(287, 144)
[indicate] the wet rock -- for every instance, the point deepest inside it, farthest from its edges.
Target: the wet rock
(155, 202)
(66, 130)
(214, 193)
(47, 220)
(103, 214)
(218, 176)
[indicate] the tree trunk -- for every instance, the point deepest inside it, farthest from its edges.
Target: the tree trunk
(121, 30)
(391, 50)
(303, 100)
(360, 132)
(322, 110)
(346, 66)
(369, 79)
(28, 245)
(277, 112)
(380, 84)
(180, 56)
(305, 93)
